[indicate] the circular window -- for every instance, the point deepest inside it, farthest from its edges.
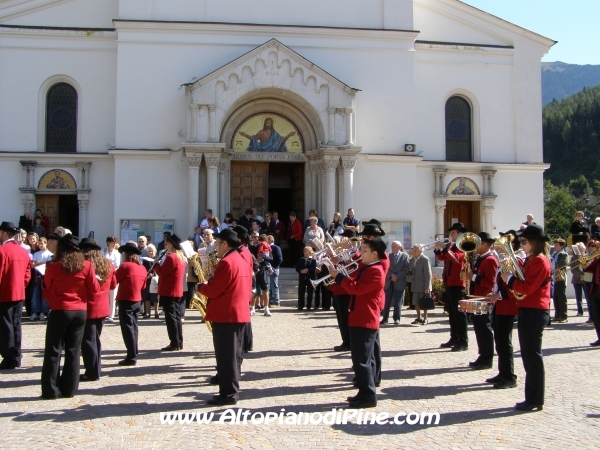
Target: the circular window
(457, 129)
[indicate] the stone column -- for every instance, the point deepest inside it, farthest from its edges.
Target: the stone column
(331, 115)
(83, 199)
(440, 175)
(212, 181)
(330, 164)
(488, 176)
(194, 160)
(222, 190)
(349, 138)
(83, 175)
(28, 174)
(348, 163)
(212, 123)
(314, 185)
(320, 190)
(439, 221)
(193, 123)
(488, 208)
(339, 178)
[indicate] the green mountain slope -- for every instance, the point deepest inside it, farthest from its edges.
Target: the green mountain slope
(559, 80)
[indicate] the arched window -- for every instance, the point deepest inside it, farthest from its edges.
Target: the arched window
(458, 130)
(61, 119)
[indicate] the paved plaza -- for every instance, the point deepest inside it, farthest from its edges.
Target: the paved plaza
(294, 368)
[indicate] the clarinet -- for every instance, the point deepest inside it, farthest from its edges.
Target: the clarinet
(157, 260)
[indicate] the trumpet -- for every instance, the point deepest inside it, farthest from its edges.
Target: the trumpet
(345, 269)
(561, 271)
(431, 245)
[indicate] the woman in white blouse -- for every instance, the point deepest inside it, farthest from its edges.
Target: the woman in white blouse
(113, 255)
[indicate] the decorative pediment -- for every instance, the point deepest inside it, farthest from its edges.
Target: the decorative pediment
(272, 71)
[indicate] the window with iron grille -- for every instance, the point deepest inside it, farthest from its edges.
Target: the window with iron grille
(61, 119)
(458, 130)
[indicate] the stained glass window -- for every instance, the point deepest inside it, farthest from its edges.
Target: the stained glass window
(458, 130)
(61, 119)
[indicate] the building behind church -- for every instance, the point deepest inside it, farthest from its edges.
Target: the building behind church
(128, 117)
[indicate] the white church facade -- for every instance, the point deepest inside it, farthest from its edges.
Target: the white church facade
(138, 115)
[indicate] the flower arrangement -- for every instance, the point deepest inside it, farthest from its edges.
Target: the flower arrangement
(437, 289)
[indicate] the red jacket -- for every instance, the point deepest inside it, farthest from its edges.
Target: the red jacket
(280, 228)
(368, 298)
(15, 272)
(131, 278)
(98, 305)
(69, 291)
(295, 231)
(508, 305)
(228, 290)
(454, 262)
(170, 276)
(536, 285)
(485, 273)
(248, 259)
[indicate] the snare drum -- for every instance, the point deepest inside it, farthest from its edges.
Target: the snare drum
(474, 307)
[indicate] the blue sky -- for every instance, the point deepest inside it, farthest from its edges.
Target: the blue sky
(574, 24)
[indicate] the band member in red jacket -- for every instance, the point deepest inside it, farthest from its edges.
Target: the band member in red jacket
(534, 312)
(171, 271)
(131, 278)
(98, 308)
(454, 262)
(505, 311)
(483, 276)
(294, 236)
(227, 291)
(15, 273)
(68, 284)
(367, 301)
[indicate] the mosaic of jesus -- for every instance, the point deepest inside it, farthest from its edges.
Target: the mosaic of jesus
(267, 133)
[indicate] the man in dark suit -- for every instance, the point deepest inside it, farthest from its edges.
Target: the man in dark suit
(15, 272)
(395, 282)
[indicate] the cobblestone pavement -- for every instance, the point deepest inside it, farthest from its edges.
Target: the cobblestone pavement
(293, 367)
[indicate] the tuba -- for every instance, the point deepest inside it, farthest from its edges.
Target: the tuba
(200, 301)
(509, 264)
(467, 242)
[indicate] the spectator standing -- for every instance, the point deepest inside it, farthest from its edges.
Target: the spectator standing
(279, 227)
(227, 221)
(215, 225)
(421, 281)
(577, 278)
(39, 306)
(268, 226)
(595, 229)
(205, 222)
(306, 268)
(294, 237)
(560, 258)
(45, 221)
(38, 228)
(350, 222)
(196, 238)
(255, 215)
(142, 244)
(579, 229)
(395, 282)
(114, 257)
(26, 221)
(313, 213)
(246, 220)
(336, 227)
(313, 232)
(277, 256)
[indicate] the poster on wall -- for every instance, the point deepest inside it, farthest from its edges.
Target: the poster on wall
(267, 132)
(397, 230)
(131, 229)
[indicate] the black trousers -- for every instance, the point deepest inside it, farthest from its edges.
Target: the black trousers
(128, 319)
(295, 250)
(595, 310)
(322, 292)
(304, 288)
(377, 354)
(362, 350)
(172, 308)
(248, 338)
(503, 328)
(228, 341)
(10, 333)
(458, 319)
(560, 300)
(191, 285)
(64, 331)
(342, 302)
(531, 329)
(91, 348)
(482, 325)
